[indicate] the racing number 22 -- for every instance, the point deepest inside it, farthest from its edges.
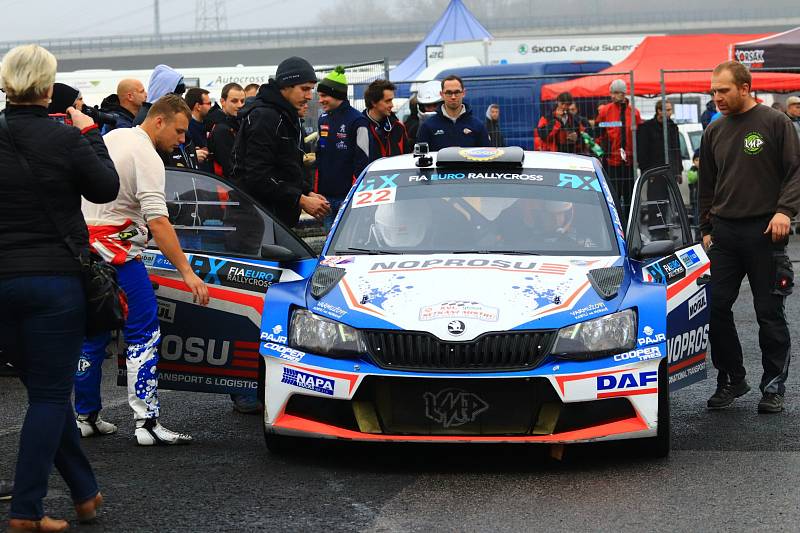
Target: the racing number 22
(374, 197)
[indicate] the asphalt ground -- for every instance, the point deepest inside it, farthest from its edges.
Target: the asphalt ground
(733, 470)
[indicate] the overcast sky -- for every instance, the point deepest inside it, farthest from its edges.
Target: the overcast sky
(52, 19)
(111, 17)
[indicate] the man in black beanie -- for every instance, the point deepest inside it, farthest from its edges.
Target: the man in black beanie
(268, 151)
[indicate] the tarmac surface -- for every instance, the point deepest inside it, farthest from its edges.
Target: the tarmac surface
(732, 470)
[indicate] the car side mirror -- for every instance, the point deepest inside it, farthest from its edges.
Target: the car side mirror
(656, 249)
(273, 252)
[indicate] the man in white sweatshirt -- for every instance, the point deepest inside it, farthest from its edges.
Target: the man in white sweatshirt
(118, 231)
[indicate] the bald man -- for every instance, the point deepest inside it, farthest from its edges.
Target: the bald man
(126, 103)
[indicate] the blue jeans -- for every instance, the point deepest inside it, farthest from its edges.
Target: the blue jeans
(42, 322)
(143, 336)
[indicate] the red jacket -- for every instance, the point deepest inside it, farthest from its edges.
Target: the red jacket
(553, 133)
(609, 123)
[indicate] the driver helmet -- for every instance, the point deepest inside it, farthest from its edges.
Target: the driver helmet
(429, 93)
(402, 225)
(549, 216)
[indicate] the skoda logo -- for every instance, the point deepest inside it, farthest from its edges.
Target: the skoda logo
(455, 327)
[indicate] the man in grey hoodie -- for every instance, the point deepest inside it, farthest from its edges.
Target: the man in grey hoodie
(163, 80)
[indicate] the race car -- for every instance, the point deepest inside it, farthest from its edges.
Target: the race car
(470, 295)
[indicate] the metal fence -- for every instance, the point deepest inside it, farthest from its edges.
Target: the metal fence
(358, 75)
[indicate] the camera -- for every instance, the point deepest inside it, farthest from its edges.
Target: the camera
(61, 117)
(100, 117)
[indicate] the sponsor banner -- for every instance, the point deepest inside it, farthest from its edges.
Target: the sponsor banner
(459, 309)
(275, 334)
(650, 337)
(433, 54)
(234, 274)
(697, 303)
(687, 342)
(611, 48)
(627, 384)
(166, 311)
(641, 354)
(154, 260)
(329, 309)
(203, 383)
(626, 381)
(284, 352)
(222, 272)
(307, 381)
(667, 270)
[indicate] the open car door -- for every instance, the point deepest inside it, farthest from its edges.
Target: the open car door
(659, 230)
(237, 248)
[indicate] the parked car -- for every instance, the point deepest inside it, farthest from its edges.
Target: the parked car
(470, 295)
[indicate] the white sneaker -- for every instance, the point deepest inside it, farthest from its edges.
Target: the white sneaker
(91, 425)
(150, 433)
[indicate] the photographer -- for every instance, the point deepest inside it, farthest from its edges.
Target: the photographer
(65, 96)
(42, 319)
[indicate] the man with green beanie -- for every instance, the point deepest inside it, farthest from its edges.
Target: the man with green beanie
(336, 151)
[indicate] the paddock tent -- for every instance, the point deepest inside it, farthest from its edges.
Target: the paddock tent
(457, 23)
(672, 52)
(781, 50)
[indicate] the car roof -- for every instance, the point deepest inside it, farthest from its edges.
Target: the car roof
(532, 160)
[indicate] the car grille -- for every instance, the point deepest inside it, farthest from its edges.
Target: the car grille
(419, 350)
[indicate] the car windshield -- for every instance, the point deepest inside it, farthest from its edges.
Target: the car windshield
(530, 211)
(695, 137)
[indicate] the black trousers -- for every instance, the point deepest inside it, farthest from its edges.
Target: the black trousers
(741, 249)
(621, 180)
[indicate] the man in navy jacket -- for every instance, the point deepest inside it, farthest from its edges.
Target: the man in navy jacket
(336, 150)
(453, 124)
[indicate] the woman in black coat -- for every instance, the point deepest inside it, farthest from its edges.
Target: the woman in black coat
(43, 316)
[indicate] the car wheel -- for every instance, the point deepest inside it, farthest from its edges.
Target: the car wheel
(658, 446)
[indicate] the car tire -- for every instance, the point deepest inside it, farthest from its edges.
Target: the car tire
(658, 446)
(279, 444)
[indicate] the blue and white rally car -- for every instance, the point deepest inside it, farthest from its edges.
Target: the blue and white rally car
(469, 295)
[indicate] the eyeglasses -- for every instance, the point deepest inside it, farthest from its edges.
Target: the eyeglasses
(453, 93)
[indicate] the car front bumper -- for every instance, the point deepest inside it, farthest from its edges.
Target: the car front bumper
(563, 402)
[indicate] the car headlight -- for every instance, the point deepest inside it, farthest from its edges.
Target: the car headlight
(597, 338)
(315, 334)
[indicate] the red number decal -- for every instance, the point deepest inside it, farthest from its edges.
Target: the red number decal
(382, 195)
(363, 198)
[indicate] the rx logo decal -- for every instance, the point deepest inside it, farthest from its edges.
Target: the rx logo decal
(208, 269)
(371, 183)
(584, 183)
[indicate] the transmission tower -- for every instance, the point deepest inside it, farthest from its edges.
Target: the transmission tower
(210, 15)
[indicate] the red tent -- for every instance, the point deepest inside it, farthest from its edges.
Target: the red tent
(672, 52)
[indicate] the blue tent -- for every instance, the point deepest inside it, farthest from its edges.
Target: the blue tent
(455, 24)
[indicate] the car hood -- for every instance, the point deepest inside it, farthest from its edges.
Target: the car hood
(461, 296)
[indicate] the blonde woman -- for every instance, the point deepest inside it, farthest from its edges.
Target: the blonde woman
(45, 168)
